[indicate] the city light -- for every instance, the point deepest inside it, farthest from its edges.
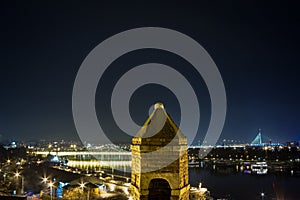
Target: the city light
(17, 174)
(51, 184)
(125, 190)
(63, 137)
(112, 187)
(253, 160)
(82, 185)
(262, 195)
(44, 179)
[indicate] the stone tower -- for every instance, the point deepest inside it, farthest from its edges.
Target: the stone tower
(159, 160)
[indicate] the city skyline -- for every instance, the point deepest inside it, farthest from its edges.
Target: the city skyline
(255, 48)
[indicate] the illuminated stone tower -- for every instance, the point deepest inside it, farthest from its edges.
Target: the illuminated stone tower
(159, 160)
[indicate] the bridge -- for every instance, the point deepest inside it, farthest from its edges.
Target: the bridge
(257, 140)
(81, 153)
(95, 160)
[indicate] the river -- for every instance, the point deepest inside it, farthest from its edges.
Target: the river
(246, 186)
(230, 183)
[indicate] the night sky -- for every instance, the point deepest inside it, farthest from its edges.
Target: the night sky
(254, 45)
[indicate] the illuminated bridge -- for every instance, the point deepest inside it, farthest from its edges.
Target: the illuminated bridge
(96, 160)
(83, 153)
(257, 140)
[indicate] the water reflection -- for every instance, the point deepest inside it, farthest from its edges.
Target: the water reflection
(97, 165)
(233, 184)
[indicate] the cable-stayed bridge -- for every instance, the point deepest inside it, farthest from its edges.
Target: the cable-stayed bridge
(258, 141)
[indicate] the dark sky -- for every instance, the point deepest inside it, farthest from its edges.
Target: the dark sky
(255, 46)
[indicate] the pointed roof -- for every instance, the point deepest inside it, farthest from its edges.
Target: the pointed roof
(159, 125)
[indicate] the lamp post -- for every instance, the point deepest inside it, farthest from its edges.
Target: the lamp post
(262, 195)
(44, 181)
(82, 185)
(22, 185)
(51, 186)
(17, 175)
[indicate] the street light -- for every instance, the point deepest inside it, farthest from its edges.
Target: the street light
(82, 186)
(262, 195)
(44, 180)
(17, 175)
(51, 186)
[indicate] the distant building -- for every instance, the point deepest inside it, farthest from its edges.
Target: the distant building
(12, 145)
(90, 186)
(291, 144)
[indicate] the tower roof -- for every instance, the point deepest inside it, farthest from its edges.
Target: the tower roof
(159, 125)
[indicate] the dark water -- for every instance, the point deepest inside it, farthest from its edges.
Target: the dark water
(246, 186)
